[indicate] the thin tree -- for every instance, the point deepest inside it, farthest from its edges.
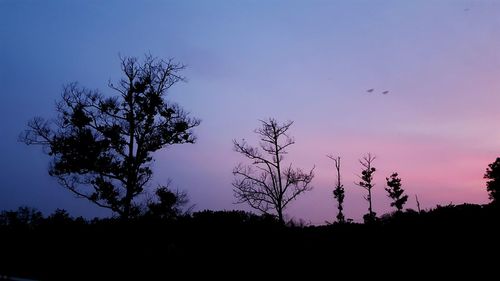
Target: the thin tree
(395, 192)
(366, 182)
(102, 147)
(338, 191)
(493, 184)
(267, 184)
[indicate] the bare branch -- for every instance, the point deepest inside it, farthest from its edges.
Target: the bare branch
(274, 187)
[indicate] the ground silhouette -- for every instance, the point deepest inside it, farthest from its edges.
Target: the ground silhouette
(60, 247)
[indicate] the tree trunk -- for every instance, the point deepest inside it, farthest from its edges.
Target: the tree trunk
(127, 204)
(131, 176)
(280, 216)
(370, 202)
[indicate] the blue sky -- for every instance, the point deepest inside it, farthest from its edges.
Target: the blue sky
(307, 61)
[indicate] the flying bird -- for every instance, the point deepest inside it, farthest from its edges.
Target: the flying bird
(385, 92)
(370, 90)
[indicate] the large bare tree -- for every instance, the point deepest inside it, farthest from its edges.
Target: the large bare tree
(268, 184)
(102, 146)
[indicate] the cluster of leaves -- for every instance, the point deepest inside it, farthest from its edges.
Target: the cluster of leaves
(396, 192)
(493, 184)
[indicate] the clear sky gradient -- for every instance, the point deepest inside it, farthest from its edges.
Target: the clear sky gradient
(306, 61)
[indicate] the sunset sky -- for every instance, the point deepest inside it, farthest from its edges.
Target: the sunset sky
(307, 61)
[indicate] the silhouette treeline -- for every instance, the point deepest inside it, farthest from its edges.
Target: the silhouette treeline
(59, 246)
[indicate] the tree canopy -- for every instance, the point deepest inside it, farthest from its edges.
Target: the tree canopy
(395, 192)
(493, 183)
(102, 146)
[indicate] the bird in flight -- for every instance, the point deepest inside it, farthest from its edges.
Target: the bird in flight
(370, 90)
(385, 92)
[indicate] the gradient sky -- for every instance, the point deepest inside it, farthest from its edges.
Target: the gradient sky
(306, 61)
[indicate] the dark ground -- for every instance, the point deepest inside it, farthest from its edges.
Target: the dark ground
(241, 245)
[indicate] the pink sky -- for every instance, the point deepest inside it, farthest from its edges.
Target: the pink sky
(306, 61)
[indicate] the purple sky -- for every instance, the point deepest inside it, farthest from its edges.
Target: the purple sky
(307, 61)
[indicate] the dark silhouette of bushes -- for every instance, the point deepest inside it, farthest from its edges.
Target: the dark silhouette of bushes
(24, 217)
(60, 247)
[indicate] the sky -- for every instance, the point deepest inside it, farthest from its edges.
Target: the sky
(307, 61)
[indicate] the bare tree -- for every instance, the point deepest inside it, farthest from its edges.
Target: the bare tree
(267, 184)
(102, 147)
(338, 191)
(367, 182)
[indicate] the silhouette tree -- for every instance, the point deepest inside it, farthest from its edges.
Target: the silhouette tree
(60, 215)
(366, 183)
(267, 184)
(418, 203)
(338, 191)
(101, 147)
(396, 192)
(24, 216)
(168, 204)
(493, 185)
